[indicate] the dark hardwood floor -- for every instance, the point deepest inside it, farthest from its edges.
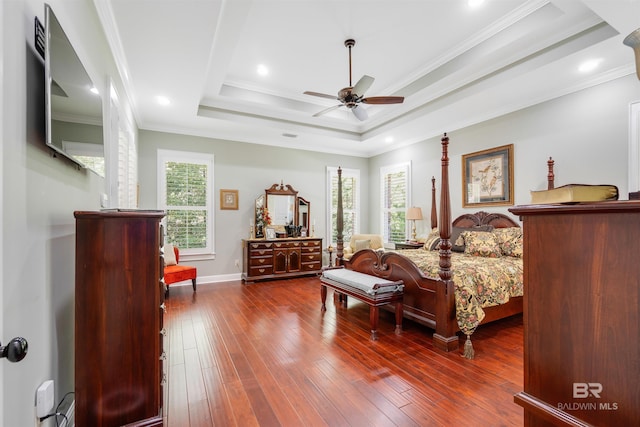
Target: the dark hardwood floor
(264, 354)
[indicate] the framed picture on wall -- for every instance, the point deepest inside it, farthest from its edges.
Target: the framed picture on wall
(229, 199)
(487, 177)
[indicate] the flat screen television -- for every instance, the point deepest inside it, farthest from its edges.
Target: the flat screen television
(74, 120)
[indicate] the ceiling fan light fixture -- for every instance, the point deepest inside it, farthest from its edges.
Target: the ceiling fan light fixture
(360, 113)
(353, 95)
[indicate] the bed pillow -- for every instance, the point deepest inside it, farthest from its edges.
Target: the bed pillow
(457, 244)
(510, 241)
(362, 244)
(432, 241)
(481, 243)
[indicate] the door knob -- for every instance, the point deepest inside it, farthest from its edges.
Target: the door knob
(16, 350)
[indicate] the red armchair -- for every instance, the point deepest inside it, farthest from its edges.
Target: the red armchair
(178, 273)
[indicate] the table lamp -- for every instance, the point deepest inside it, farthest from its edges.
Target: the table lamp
(414, 214)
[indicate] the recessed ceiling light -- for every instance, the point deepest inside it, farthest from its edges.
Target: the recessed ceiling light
(262, 70)
(94, 90)
(475, 3)
(388, 139)
(589, 65)
(162, 100)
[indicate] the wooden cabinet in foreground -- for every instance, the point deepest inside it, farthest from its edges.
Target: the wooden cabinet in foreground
(581, 321)
(119, 304)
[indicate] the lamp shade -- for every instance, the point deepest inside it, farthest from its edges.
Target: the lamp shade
(414, 213)
(633, 41)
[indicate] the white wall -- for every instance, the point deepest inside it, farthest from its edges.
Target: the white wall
(251, 169)
(40, 194)
(586, 133)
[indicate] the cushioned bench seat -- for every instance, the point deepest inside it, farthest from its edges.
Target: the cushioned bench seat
(373, 291)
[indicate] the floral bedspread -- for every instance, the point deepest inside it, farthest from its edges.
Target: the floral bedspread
(479, 282)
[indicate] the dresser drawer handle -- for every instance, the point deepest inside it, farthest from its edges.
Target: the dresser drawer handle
(164, 380)
(163, 332)
(261, 270)
(261, 261)
(163, 356)
(163, 307)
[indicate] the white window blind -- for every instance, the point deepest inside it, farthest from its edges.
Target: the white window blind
(394, 199)
(350, 202)
(185, 193)
(127, 170)
(122, 154)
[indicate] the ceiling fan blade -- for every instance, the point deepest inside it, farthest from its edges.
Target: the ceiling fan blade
(326, 110)
(383, 100)
(362, 85)
(360, 113)
(321, 95)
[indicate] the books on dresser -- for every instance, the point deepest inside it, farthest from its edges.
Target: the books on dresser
(575, 193)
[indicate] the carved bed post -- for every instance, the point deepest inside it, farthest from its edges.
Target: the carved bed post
(339, 222)
(445, 337)
(550, 175)
(434, 213)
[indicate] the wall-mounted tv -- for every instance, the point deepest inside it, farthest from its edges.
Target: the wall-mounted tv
(73, 105)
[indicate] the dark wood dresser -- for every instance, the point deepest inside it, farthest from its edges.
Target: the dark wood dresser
(280, 258)
(581, 322)
(119, 304)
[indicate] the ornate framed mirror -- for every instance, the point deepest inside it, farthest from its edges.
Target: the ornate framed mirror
(281, 209)
(281, 204)
(304, 213)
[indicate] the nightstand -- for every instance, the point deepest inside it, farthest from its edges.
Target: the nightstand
(409, 245)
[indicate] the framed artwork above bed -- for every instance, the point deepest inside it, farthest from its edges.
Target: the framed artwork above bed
(487, 177)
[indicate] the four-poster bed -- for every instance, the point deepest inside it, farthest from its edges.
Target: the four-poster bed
(433, 298)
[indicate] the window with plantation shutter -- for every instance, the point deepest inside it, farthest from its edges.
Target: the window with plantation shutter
(394, 199)
(121, 157)
(185, 193)
(127, 170)
(350, 202)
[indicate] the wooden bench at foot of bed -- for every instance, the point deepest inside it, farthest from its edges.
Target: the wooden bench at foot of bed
(371, 290)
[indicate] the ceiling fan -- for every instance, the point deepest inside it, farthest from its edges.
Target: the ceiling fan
(352, 96)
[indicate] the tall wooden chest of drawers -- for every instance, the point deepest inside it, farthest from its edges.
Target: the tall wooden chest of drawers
(581, 316)
(280, 258)
(119, 305)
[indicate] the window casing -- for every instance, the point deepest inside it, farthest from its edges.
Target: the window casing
(185, 189)
(395, 198)
(350, 202)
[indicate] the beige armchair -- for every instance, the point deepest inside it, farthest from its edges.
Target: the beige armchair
(362, 241)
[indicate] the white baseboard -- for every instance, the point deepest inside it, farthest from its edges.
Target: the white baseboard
(208, 280)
